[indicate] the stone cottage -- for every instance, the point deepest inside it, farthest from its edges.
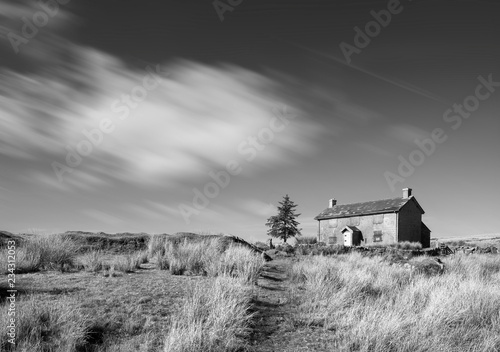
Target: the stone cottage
(381, 221)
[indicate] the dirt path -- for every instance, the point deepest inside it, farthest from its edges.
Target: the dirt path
(275, 305)
(271, 307)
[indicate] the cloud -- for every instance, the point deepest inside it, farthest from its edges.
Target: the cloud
(149, 209)
(189, 124)
(78, 181)
(195, 121)
(163, 209)
(258, 208)
(102, 217)
(354, 114)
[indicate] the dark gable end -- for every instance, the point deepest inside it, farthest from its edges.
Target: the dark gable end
(425, 227)
(366, 208)
(416, 203)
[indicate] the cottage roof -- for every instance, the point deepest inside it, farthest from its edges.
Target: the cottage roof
(393, 205)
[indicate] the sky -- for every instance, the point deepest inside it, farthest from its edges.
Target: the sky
(168, 116)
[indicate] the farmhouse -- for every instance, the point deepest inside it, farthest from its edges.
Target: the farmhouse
(381, 221)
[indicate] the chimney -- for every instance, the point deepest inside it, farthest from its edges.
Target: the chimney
(406, 192)
(332, 203)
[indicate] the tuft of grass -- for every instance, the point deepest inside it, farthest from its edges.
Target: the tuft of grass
(190, 258)
(407, 245)
(142, 257)
(206, 258)
(159, 243)
(186, 257)
(57, 251)
(162, 261)
(213, 319)
(58, 326)
(46, 252)
(27, 261)
(238, 262)
(156, 244)
(93, 261)
(125, 263)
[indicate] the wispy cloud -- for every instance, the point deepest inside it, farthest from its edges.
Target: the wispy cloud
(258, 208)
(102, 217)
(78, 181)
(193, 122)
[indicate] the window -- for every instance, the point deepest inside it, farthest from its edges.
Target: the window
(332, 240)
(377, 236)
(354, 221)
(378, 219)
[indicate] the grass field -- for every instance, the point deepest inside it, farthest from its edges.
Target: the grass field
(190, 293)
(365, 304)
(99, 300)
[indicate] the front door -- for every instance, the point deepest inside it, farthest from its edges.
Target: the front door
(347, 239)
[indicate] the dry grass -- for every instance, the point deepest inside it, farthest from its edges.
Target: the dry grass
(111, 243)
(27, 261)
(236, 262)
(53, 326)
(207, 258)
(134, 310)
(359, 303)
(408, 245)
(142, 257)
(306, 240)
(365, 304)
(44, 252)
(124, 263)
(191, 258)
(162, 261)
(130, 312)
(213, 319)
(481, 243)
(405, 245)
(96, 261)
(92, 261)
(156, 244)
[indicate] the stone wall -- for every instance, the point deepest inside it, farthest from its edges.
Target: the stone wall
(329, 230)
